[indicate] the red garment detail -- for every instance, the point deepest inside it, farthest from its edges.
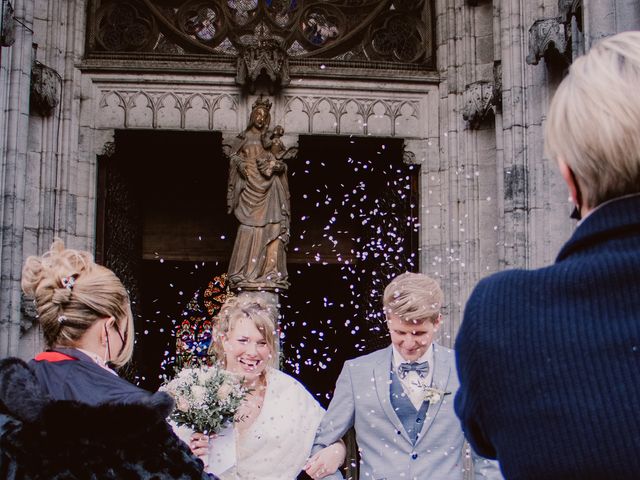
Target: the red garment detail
(53, 357)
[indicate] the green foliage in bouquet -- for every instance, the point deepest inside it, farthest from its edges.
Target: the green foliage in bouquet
(207, 397)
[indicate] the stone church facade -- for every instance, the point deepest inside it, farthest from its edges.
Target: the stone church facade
(463, 85)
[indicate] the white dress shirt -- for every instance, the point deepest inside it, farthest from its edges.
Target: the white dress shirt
(412, 384)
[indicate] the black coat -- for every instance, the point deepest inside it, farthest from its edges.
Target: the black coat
(56, 440)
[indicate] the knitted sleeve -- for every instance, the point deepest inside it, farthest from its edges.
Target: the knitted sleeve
(468, 348)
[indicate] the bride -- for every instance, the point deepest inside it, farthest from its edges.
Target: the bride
(277, 421)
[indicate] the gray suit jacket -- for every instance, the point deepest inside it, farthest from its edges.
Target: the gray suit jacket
(362, 399)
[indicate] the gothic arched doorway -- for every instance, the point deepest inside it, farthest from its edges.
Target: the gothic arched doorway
(163, 228)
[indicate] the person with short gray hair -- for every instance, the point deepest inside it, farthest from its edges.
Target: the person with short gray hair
(549, 359)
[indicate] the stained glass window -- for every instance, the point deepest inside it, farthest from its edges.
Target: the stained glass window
(382, 32)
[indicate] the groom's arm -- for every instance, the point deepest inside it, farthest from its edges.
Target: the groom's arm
(340, 414)
(339, 417)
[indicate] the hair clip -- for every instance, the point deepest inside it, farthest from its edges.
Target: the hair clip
(62, 319)
(68, 282)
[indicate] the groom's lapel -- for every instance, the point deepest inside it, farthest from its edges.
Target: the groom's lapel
(441, 372)
(382, 379)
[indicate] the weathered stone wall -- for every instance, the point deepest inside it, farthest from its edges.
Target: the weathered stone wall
(490, 200)
(15, 71)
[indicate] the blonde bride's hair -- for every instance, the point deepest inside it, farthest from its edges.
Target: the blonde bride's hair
(255, 309)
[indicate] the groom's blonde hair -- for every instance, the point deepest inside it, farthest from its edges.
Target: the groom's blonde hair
(413, 298)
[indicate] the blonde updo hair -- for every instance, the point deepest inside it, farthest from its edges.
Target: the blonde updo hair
(255, 309)
(413, 298)
(71, 292)
(594, 120)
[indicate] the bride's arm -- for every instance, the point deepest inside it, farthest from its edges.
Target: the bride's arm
(326, 461)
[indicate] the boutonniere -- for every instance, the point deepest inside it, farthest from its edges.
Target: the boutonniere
(433, 395)
(430, 394)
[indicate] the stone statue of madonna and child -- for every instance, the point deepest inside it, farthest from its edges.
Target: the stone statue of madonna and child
(258, 196)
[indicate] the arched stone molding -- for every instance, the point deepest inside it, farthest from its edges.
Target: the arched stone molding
(167, 108)
(358, 112)
(376, 115)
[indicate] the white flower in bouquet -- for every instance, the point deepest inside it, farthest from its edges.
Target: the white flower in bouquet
(224, 391)
(198, 392)
(207, 398)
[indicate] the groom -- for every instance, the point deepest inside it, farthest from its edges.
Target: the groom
(400, 398)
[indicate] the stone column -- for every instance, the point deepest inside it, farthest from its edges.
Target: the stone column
(604, 18)
(59, 195)
(535, 200)
(15, 76)
(464, 175)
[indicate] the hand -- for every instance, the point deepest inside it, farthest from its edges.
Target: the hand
(278, 166)
(244, 173)
(200, 447)
(326, 461)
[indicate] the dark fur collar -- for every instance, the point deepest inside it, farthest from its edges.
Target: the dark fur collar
(20, 393)
(44, 439)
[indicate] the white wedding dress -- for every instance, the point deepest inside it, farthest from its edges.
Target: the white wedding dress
(278, 443)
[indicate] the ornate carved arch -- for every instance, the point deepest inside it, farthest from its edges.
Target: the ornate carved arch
(397, 32)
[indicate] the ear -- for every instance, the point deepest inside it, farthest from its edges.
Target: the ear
(437, 322)
(224, 341)
(106, 324)
(570, 180)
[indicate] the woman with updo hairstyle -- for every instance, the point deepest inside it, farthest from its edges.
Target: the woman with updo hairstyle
(85, 316)
(277, 421)
(67, 414)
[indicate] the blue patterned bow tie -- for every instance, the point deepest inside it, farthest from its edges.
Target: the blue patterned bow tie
(421, 368)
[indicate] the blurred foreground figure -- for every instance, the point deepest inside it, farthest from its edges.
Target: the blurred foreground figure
(67, 414)
(549, 359)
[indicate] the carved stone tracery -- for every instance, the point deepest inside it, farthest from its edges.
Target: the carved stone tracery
(397, 31)
(265, 58)
(568, 8)
(547, 38)
(365, 114)
(558, 40)
(8, 32)
(46, 89)
(481, 100)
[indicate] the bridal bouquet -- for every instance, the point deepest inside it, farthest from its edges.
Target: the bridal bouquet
(207, 398)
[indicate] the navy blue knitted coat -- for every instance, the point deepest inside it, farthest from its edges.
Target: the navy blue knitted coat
(549, 359)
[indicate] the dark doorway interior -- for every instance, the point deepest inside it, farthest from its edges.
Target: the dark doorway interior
(354, 226)
(163, 228)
